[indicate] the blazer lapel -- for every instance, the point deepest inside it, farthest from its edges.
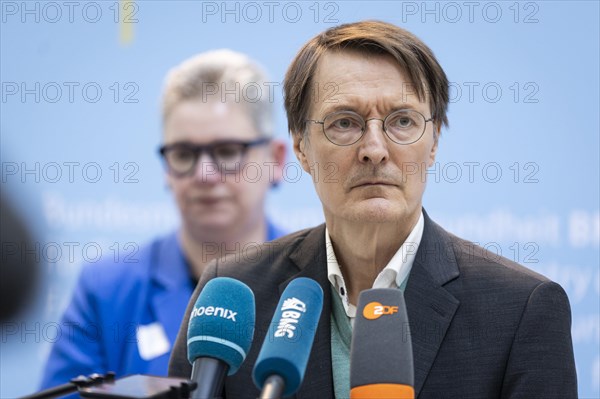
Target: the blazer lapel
(430, 306)
(310, 258)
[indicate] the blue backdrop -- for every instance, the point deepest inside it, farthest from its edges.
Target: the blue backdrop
(517, 171)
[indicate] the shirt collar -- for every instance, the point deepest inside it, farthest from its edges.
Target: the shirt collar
(334, 274)
(401, 263)
(393, 275)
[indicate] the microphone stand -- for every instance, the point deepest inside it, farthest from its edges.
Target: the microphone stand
(273, 388)
(136, 386)
(72, 386)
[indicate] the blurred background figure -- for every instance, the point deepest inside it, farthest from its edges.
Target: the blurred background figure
(220, 160)
(20, 266)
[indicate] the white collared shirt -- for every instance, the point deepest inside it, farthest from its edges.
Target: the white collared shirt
(392, 276)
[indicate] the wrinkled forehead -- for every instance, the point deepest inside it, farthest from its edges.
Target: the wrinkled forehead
(354, 79)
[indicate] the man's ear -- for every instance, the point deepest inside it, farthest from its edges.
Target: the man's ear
(434, 147)
(300, 143)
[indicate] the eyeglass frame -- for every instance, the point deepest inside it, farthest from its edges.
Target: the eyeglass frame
(199, 149)
(364, 126)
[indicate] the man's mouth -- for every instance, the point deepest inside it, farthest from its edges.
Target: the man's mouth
(372, 183)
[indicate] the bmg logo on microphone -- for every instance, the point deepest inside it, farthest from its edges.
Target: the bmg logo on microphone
(291, 311)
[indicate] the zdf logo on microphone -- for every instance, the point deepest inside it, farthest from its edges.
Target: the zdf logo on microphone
(374, 310)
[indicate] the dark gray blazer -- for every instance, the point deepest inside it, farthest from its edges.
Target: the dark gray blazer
(481, 325)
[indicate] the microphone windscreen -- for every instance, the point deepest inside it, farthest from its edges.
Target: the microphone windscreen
(288, 343)
(381, 358)
(222, 323)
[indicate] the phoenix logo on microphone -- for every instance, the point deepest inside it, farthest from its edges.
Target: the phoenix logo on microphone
(213, 311)
(374, 310)
(291, 310)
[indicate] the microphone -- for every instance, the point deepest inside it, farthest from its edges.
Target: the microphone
(220, 334)
(281, 363)
(381, 357)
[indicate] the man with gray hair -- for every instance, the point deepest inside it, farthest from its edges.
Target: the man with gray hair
(220, 160)
(369, 100)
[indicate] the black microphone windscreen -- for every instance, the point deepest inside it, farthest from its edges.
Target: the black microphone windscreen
(381, 359)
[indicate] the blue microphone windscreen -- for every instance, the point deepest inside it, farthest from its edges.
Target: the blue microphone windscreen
(222, 323)
(287, 345)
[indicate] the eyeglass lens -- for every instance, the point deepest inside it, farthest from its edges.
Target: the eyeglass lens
(402, 126)
(182, 158)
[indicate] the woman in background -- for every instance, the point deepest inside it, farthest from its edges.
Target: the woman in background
(220, 159)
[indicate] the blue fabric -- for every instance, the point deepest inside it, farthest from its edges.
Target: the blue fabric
(109, 303)
(274, 232)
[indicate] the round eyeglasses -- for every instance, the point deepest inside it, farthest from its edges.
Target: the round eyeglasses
(404, 126)
(181, 158)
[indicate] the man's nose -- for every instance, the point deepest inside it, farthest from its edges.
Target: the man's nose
(374, 144)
